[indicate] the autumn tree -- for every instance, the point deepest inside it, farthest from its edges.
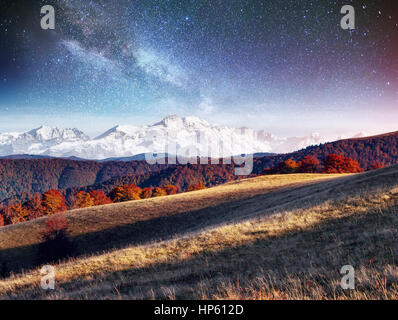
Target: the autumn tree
(196, 187)
(339, 164)
(159, 192)
(56, 243)
(125, 193)
(309, 164)
(83, 199)
(3, 209)
(55, 227)
(146, 193)
(288, 166)
(99, 197)
(375, 166)
(53, 202)
(16, 213)
(34, 206)
(2, 215)
(170, 189)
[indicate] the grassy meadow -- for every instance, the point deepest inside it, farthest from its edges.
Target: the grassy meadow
(269, 237)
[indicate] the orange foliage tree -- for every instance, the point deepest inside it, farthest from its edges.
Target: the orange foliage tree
(99, 197)
(83, 199)
(146, 193)
(195, 187)
(125, 193)
(159, 192)
(288, 166)
(170, 189)
(16, 213)
(53, 202)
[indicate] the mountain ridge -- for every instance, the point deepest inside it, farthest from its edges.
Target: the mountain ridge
(184, 133)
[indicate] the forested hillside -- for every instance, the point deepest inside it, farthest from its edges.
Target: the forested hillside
(180, 176)
(23, 176)
(382, 149)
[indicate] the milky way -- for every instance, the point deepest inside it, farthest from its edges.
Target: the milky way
(283, 65)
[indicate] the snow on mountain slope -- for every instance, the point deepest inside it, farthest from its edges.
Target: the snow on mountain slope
(174, 135)
(38, 141)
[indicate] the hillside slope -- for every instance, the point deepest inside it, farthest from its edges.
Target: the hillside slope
(381, 149)
(262, 238)
(28, 176)
(142, 221)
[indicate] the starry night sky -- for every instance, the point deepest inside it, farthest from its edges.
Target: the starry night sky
(285, 66)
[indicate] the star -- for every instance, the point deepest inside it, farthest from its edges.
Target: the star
(141, 58)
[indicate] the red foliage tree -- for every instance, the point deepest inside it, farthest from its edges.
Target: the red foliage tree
(56, 243)
(57, 226)
(339, 164)
(34, 206)
(53, 202)
(309, 164)
(375, 166)
(2, 214)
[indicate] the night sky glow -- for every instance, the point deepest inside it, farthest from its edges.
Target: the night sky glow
(285, 66)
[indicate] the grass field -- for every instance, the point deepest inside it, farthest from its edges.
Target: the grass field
(270, 237)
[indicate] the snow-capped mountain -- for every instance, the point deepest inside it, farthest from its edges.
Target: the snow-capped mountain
(38, 141)
(186, 136)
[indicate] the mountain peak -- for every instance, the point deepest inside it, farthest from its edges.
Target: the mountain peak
(195, 121)
(170, 121)
(119, 131)
(174, 121)
(42, 128)
(48, 133)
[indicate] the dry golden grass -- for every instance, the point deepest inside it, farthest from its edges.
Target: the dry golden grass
(103, 217)
(116, 225)
(278, 239)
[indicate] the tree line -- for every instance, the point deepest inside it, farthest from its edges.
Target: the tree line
(333, 163)
(172, 180)
(53, 201)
